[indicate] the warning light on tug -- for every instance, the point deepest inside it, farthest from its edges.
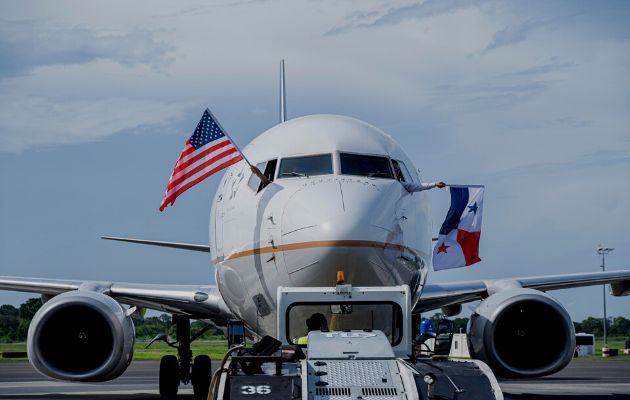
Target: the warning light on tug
(340, 278)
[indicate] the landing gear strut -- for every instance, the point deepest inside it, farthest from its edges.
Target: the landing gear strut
(174, 370)
(183, 350)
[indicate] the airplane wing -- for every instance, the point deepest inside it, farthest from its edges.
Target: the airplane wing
(199, 302)
(441, 295)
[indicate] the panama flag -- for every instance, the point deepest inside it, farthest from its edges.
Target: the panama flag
(458, 242)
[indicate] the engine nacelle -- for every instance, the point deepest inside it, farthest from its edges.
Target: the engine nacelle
(522, 333)
(81, 336)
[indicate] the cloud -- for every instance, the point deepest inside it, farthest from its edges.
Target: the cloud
(571, 122)
(513, 34)
(489, 95)
(40, 121)
(583, 163)
(25, 45)
(200, 9)
(396, 15)
(545, 68)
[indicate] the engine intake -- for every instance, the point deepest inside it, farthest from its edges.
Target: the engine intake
(522, 333)
(81, 336)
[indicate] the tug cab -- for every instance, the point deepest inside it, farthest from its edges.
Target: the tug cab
(346, 309)
(362, 349)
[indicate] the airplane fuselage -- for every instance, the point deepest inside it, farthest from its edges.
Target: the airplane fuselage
(335, 204)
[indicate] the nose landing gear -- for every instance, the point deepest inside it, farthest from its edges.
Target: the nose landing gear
(174, 370)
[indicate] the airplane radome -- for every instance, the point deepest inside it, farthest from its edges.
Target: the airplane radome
(333, 204)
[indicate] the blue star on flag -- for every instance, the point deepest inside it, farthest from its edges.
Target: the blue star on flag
(473, 208)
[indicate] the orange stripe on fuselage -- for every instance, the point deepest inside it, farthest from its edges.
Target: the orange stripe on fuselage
(315, 244)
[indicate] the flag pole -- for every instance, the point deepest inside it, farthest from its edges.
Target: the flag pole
(228, 136)
(254, 168)
(463, 186)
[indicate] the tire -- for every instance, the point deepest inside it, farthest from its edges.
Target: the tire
(169, 377)
(201, 376)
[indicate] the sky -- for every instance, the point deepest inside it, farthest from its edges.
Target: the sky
(530, 98)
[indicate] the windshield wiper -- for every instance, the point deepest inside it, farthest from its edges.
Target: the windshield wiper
(377, 173)
(293, 173)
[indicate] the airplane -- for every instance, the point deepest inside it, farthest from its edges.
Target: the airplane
(333, 203)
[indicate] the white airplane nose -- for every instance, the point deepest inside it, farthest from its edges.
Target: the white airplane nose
(347, 224)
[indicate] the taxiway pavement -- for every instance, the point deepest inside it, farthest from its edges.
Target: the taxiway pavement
(581, 380)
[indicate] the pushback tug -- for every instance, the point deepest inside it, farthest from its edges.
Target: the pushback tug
(365, 350)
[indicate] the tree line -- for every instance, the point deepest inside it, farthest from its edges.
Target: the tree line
(14, 322)
(616, 326)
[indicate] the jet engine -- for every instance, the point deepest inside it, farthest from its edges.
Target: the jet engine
(522, 333)
(81, 336)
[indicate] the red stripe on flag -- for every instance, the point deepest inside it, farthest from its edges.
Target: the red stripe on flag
(201, 154)
(189, 149)
(171, 199)
(198, 168)
(469, 242)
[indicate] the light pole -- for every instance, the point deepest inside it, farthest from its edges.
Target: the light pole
(601, 250)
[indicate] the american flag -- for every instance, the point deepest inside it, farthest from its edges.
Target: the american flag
(207, 151)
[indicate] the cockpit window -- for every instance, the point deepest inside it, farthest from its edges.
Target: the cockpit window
(371, 166)
(268, 168)
(305, 166)
(401, 172)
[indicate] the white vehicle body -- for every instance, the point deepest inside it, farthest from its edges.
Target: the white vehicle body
(459, 348)
(584, 345)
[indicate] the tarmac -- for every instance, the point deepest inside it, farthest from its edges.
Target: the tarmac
(581, 380)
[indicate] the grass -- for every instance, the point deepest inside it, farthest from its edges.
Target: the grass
(614, 342)
(13, 347)
(213, 348)
(217, 348)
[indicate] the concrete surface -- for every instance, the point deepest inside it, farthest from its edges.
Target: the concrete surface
(581, 380)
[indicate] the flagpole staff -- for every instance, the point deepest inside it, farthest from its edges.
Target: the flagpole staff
(253, 168)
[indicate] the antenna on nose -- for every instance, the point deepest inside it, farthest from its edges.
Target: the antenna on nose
(283, 94)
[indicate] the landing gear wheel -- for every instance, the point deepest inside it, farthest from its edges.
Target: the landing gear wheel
(169, 377)
(201, 376)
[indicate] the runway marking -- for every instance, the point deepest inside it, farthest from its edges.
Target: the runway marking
(569, 388)
(100, 392)
(7, 385)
